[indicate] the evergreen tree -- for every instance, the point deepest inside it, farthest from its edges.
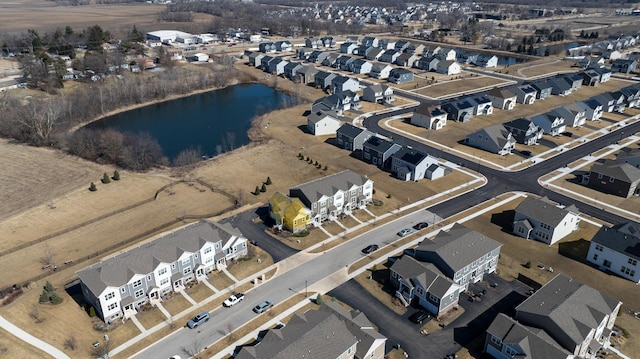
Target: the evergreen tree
(49, 287)
(264, 188)
(268, 182)
(116, 175)
(257, 191)
(92, 187)
(44, 297)
(105, 178)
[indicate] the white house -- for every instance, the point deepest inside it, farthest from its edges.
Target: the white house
(429, 116)
(378, 93)
(323, 123)
(448, 68)
(550, 123)
(502, 98)
(614, 249)
(119, 285)
(545, 221)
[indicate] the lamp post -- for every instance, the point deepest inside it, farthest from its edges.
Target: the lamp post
(305, 288)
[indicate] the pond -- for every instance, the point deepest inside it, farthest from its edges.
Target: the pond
(503, 61)
(213, 122)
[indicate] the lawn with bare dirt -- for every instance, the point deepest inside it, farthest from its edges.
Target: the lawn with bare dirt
(255, 261)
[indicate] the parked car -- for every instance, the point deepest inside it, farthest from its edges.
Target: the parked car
(419, 317)
(421, 225)
(370, 248)
(198, 319)
(405, 232)
(526, 153)
(233, 300)
(263, 306)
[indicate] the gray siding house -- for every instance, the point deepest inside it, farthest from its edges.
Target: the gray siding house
(615, 249)
(543, 88)
(614, 177)
(524, 131)
(118, 286)
(461, 254)
(400, 76)
(411, 165)
(577, 317)
(331, 196)
(495, 139)
(378, 152)
(351, 137)
(424, 285)
(544, 221)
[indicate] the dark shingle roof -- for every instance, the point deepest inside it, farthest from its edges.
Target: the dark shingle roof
(544, 210)
(623, 238)
(409, 155)
(619, 170)
(329, 185)
(572, 307)
(517, 335)
(459, 246)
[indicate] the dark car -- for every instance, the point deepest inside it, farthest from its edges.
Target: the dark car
(568, 134)
(420, 226)
(526, 153)
(370, 248)
(419, 317)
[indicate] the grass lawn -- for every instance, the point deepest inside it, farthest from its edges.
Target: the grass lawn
(12, 347)
(332, 227)
(316, 235)
(459, 83)
(256, 261)
(146, 341)
(150, 318)
(380, 287)
(176, 304)
(199, 292)
(363, 216)
(349, 222)
(219, 280)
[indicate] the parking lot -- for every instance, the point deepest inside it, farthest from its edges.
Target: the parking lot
(450, 339)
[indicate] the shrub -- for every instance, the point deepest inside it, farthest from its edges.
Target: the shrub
(303, 233)
(92, 187)
(257, 191)
(319, 299)
(92, 311)
(268, 182)
(44, 297)
(116, 175)
(105, 178)
(55, 298)
(12, 297)
(315, 164)
(325, 167)
(70, 343)
(263, 188)
(307, 158)
(388, 196)
(528, 264)
(300, 156)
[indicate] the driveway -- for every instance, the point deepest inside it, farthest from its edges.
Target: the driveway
(256, 232)
(460, 333)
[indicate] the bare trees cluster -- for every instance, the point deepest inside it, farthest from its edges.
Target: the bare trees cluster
(44, 121)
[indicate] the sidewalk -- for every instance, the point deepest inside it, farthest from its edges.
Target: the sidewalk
(26, 337)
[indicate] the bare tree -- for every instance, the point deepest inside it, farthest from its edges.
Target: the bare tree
(47, 258)
(194, 348)
(188, 157)
(34, 313)
(102, 351)
(71, 343)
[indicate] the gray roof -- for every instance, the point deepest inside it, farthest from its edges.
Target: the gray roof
(315, 334)
(426, 274)
(430, 110)
(521, 123)
(118, 270)
(378, 144)
(572, 307)
(501, 93)
(623, 238)
(350, 130)
(619, 170)
(358, 324)
(516, 335)
(318, 116)
(409, 155)
(459, 246)
(541, 85)
(544, 210)
(329, 185)
(498, 134)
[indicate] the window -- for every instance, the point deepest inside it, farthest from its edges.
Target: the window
(599, 247)
(606, 263)
(186, 262)
(149, 278)
(217, 245)
(599, 175)
(139, 293)
(162, 271)
(595, 257)
(137, 283)
(164, 281)
(123, 289)
(628, 271)
(112, 306)
(496, 340)
(207, 250)
(109, 296)
(632, 261)
(510, 352)
(323, 203)
(208, 260)
(611, 179)
(196, 255)
(173, 266)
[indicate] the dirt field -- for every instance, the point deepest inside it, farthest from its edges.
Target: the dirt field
(43, 15)
(454, 85)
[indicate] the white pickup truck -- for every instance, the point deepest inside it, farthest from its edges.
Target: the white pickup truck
(234, 299)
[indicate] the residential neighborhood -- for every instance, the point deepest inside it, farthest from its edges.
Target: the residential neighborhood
(239, 179)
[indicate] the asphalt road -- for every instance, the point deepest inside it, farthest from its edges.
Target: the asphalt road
(280, 287)
(525, 180)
